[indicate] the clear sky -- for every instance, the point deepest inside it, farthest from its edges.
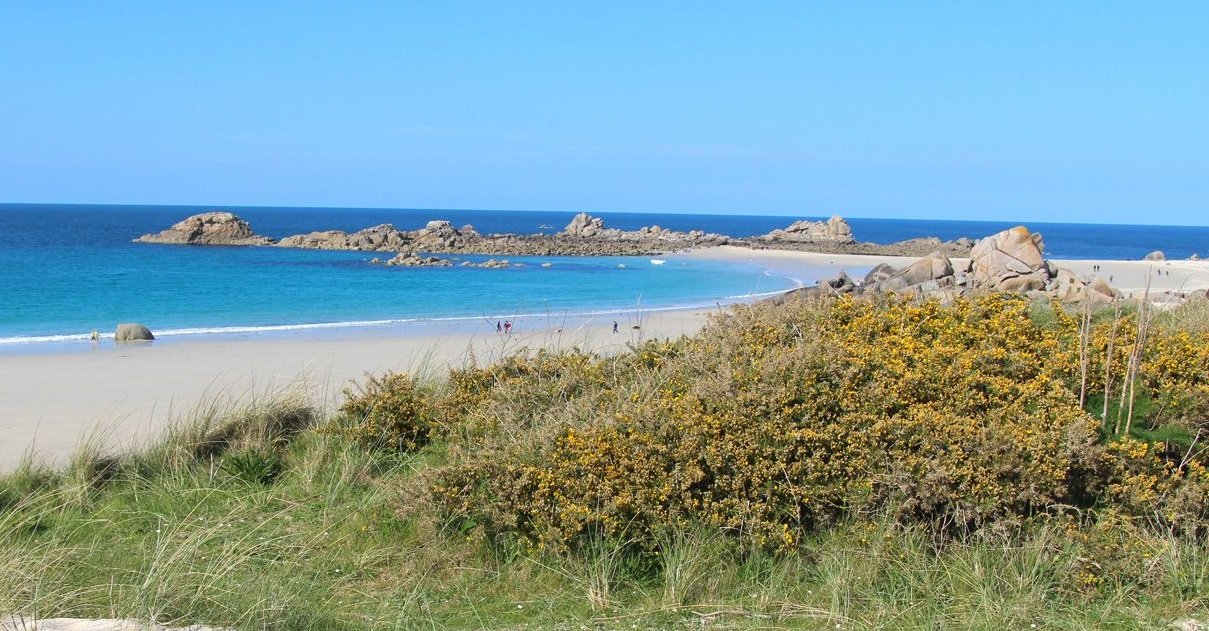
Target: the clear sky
(1061, 111)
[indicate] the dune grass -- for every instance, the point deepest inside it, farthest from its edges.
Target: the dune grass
(274, 515)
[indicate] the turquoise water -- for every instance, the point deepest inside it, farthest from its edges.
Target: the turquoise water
(70, 269)
(73, 272)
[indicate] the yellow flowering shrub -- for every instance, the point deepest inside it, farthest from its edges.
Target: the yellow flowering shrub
(1166, 485)
(779, 419)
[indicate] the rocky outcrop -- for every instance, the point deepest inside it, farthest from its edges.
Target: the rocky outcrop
(584, 226)
(1157, 255)
(441, 236)
(920, 246)
(585, 235)
(212, 228)
(1010, 261)
(132, 332)
(834, 230)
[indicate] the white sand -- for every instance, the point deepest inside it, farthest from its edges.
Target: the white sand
(124, 395)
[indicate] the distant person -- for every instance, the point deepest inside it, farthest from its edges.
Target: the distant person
(499, 328)
(95, 336)
(508, 326)
(615, 326)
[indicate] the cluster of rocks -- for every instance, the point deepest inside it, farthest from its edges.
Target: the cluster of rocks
(585, 235)
(436, 236)
(1008, 261)
(585, 226)
(411, 259)
(834, 230)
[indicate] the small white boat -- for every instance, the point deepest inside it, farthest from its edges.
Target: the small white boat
(658, 261)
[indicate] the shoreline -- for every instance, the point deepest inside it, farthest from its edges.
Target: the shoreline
(126, 395)
(797, 268)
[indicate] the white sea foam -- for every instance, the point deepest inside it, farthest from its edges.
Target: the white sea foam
(369, 324)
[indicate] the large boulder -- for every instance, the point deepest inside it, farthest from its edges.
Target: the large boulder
(1010, 261)
(931, 267)
(132, 332)
(441, 236)
(212, 228)
(1157, 255)
(584, 225)
(879, 273)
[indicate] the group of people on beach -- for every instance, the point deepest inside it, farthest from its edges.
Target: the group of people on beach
(506, 326)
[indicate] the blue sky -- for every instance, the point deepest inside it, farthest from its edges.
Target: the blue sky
(1058, 111)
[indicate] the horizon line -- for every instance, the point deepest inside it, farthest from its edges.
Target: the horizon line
(220, 207)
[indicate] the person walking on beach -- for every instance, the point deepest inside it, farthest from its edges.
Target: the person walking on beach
(508, 327)
(498, 327)
(614, 326)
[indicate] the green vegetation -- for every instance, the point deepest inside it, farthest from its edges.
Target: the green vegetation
(823, 464)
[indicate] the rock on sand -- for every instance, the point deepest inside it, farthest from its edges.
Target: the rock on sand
(132, 332)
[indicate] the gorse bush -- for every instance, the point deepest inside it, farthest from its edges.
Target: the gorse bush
(388, 411)
(777, 421)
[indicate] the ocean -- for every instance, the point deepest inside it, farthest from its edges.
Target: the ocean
(71, 269)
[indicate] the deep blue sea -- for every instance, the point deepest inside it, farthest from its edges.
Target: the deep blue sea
(70, 269)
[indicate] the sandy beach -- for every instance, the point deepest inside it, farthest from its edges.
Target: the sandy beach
(126, 395)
